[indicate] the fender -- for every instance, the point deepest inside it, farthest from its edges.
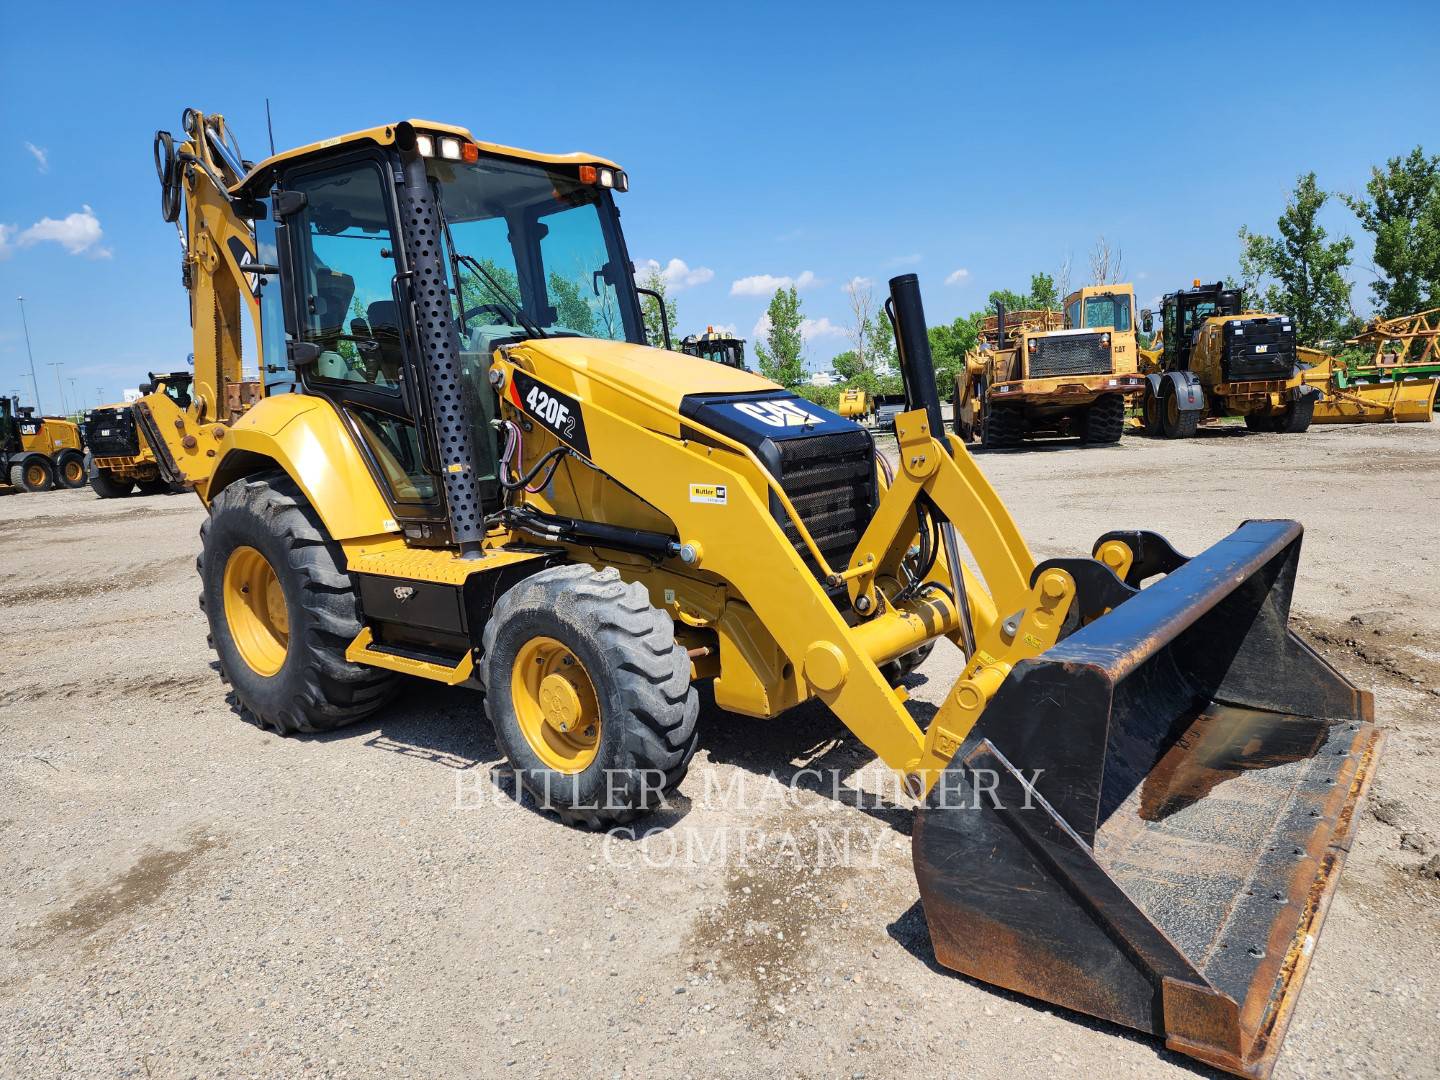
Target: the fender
(306, 438)
(1189, 394)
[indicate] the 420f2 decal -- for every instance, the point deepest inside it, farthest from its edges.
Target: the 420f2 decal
(556, 412)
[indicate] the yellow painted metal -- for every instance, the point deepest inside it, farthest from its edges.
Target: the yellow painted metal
(35, 474)
(51, 435)
(440, 565)
(255, 611)
(855, 404)
(555, 705)
(305, 437)
(1397, 400)
(360, 652)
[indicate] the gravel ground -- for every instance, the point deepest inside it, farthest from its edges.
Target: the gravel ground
(185, 895)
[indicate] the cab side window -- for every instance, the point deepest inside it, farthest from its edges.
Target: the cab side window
(347, 304)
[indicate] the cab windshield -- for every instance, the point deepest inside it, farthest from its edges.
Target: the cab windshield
(533, 251)
(1108, 310)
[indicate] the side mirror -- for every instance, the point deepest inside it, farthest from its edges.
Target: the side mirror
(1147, 320)
(302, 353)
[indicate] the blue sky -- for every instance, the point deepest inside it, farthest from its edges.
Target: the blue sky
(814, 142)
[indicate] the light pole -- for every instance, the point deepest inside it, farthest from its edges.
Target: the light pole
(57, 365)
(34, 384)
(74, 396)
(99, 396)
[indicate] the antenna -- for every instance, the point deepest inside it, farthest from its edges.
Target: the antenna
(270, 127)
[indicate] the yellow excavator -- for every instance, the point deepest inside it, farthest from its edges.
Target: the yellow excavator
(465, 465)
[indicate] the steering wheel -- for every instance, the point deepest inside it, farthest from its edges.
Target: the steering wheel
(487, 309)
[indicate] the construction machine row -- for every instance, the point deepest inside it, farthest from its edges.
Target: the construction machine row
(449, 453)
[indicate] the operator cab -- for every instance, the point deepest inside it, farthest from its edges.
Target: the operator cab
(716, 347)
(529, 245)
(1184, 313)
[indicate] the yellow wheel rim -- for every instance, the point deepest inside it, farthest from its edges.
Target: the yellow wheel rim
(35, 476)
(555, 705)
(74, 472)
(1172, 410)
(1152, 411)
(255, 611)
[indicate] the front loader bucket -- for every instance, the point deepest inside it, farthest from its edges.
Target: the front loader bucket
(1149, 819)
(1401, 401)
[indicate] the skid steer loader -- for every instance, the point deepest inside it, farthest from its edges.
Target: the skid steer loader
(120, 457)
(38, 453)
(467, 467)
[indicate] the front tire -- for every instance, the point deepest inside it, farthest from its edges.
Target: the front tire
(1295, 420)
(589, 694)
(1003, 427)
(104, 484)
(33, 475)
(157, 486)
(1176, 423)
(70, 469)
(282, 611)
(1104, 421)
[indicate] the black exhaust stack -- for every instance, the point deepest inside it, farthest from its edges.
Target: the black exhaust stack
(917, 365)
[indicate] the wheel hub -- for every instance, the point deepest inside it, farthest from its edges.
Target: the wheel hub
(255, 611)
(556, 705)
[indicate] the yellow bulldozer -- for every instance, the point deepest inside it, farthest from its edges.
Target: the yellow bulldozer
(1038, 371)
(38, 453)
(120, 456)
(1134, 801)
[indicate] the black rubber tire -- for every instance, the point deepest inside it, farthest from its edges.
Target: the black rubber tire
(316, 689)
(1295, 420)
(1150, 414)
(1104, 421)
(103, 484)
(1185, 424)
(1003, 427)
(641, 676)
(63, 461)
(18, 478)
(158, 486)
(1259, 422)
(896, 670)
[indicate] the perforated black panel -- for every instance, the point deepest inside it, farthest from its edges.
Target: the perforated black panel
(439, 340)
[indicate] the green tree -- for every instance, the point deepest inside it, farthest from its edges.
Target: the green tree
(1013, 301)
(650, 310)
(881, 356)
(1042, 292)
(1301, 270)
(572, 309)
(948, 345)
(781, 354)
(1402, 213)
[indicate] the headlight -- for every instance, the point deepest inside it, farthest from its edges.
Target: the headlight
(450, 149)
(426, 145)
(607, 178)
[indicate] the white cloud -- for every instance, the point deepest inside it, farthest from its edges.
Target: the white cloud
(855, 283)
(904, 260)
(676, 274)
(79, 234)
(959, 277)
(765, 284)
(811, 329)
(42, 159)
(762, 325)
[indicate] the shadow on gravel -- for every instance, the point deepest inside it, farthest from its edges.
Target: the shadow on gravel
(910, 932)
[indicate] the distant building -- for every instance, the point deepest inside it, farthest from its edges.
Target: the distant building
(823, 378)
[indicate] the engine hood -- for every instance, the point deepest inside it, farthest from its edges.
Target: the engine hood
(655, 376)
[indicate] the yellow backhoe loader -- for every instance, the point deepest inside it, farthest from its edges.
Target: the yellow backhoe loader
(39, 452)
(119, 457)
(716, 346)
(1134, 802)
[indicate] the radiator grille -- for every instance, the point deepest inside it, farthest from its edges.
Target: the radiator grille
(111, 433)
(830, 480)
(1068, 354)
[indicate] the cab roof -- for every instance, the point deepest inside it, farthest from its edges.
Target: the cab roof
(385, 136)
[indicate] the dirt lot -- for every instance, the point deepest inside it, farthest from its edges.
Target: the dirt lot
(182, 894)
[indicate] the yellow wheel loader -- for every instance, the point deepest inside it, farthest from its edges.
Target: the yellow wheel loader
(119, 457)
(715, 346)
(466, 466)
(38, 453)
(1044, 371)
(1217, 359)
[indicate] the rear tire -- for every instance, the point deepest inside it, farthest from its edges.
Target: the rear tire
(1104, 421)
(1150, 413)
(303, 616)
(158, 486)
(1174, 422)
(70, 471)
(1259, 422)
(1295, 420)
(33, 475)
(641, 705)
(104, 484)
(1003, 427)
(896, 671)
